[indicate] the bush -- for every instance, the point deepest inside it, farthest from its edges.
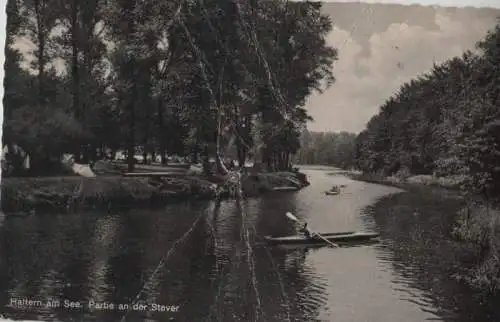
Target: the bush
(480, 226)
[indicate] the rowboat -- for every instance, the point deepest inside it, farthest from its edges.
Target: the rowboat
(341, 237)
(285, 188)
(331, 193)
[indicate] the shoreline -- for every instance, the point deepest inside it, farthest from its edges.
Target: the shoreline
(24, 196)
(417, 181)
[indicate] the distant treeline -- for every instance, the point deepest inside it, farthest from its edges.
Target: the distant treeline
(327, 148)
(445, 122)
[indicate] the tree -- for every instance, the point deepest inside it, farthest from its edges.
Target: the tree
(444, 122)
(327, 148)
(81, 46)
(167, 77)
(297, 61)
(40, 18)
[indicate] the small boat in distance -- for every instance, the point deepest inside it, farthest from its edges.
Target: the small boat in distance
(341, 237)
(335, 190)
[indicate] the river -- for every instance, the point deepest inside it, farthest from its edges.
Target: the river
(207, 262)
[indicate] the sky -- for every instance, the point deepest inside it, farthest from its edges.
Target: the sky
(381, 46)
(442, 3)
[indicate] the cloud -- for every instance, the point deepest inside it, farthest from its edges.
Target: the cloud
(396, 55)
(444, 3)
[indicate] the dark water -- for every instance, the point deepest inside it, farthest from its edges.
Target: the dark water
(209, 260)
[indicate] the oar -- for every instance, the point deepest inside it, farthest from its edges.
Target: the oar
(292, 217)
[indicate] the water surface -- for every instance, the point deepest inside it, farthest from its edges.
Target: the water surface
(210, 261)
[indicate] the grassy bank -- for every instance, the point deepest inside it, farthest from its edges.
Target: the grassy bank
(24, 195)
(409, 181)
(473, 227)
(478, 224)
(69, 193)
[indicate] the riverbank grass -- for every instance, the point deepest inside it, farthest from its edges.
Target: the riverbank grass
(479, 225)
(401, 179)
(51, 193)
(23, 195)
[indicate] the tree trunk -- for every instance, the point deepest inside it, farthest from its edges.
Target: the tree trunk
(131, 132)
(242, 147)
(145, 143)
(206, 161)
(266, 159)
(257, 139)
(75, 77)
(221, 167)
(41, 51)
(131, 146)
(241, 153)
(74, 59)
(93, 152)
(131, 72)
(194, 156)
(161, 130)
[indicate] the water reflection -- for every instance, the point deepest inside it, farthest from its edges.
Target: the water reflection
(222, 271)
(418, 249)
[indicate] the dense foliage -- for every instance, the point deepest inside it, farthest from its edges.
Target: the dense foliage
(327, 148)
(445, 122)
(176, 77)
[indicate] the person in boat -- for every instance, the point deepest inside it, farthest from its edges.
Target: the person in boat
(306, 231)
